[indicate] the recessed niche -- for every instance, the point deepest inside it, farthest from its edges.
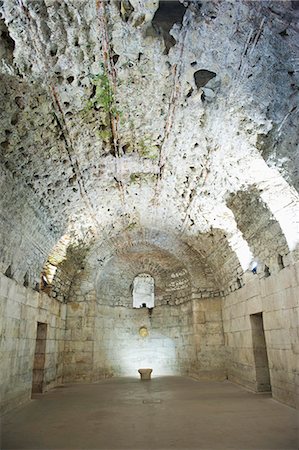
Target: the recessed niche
(143, 291)
(267, 272)
(280, 262)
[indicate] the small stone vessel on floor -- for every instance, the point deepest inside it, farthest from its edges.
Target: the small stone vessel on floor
(145, 374)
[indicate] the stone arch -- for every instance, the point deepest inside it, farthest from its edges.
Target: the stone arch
(260, 227)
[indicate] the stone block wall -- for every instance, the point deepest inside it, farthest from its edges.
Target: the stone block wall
(167, 348)
(277, 298)
(208, 339)
(79, 340)
(20, 310)
(104, 341)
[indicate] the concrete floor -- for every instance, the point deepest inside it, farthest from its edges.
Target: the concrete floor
(164, 413)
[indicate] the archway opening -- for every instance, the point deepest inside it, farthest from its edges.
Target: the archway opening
(143, 291)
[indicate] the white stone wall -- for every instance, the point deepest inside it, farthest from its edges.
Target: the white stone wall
(120, 350)
(79, 340)
(20, 310)
(104, 341)
(208, 339)
(277, 298)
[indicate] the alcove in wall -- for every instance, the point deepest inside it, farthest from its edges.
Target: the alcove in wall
(143, 291)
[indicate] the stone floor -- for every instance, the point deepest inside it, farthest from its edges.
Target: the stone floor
(164, 413)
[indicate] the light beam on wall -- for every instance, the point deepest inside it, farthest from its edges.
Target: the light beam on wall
(154, 351)
(241, 248)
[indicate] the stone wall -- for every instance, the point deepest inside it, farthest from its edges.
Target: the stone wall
(167, 346)
(104, 341)
(208, 339)
(277, 298)
(184, 333)
(20, 309)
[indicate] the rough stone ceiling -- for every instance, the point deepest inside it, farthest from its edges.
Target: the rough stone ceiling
(116, 117)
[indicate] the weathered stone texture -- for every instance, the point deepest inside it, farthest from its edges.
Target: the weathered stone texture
(277, 298)
(21, 309)
(129, 144)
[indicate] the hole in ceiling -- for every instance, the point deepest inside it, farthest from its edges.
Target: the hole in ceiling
(168, 13)
(202, 77)
(70, 79)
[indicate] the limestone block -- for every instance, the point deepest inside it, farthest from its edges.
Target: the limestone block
(282, 359)
(294, 338)
(287, 277)
(13, 309)
(279, 339)
(68, 335)
(51, 333)
(3, 302)
(239, 310)
(51, 345)
(32, 298)
(199, 329)
(282, 379)
(75, 310)
(88, 334)
(296, 269)
(291, 297)
(232, 298)
(213, 327)
(12, 328)
(69, 357)
(44, 302)
(55, 308)
(243, 355)
(253, 305)
(242, 339)
(49, 374)
(16, 293)
(74, 323)
(274, 301)
(213, 316)
(240, 324)
(199, 317)
(63, 311)
(42, 315)
(287, 396)
(215, 339)
(275, 320)
(249, 290)
(84, 358)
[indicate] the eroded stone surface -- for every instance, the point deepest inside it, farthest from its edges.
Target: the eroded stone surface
(136, 141)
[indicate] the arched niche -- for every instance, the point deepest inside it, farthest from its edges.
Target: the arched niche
(143, 291)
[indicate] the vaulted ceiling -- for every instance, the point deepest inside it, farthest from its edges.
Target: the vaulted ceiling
(145, 118)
